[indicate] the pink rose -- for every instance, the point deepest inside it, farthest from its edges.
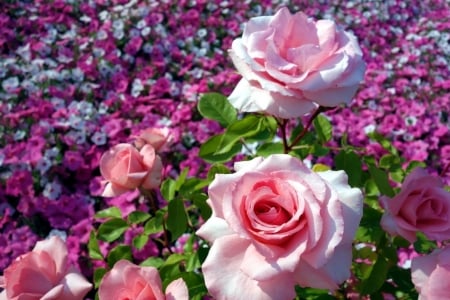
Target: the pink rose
(276, 224)
(422, 205)
(291, 64)
(129, 281)
(431, 275)
(43, 274)
(125, 168)
(157, 137)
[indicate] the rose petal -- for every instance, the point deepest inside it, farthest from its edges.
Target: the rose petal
(224, 279)
(57, 249)
(177, 290)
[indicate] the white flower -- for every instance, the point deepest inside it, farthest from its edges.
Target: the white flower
(52, 190)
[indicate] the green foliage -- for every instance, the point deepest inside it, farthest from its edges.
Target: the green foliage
(140, 241)
(423, 245)
(375, 252)
(93, 247)
(117, 253)
(137, 217)
(110, 212)
(381, 180)
(208, 151)
(98, 275)
(112, 229)
(323, 128)
(155, 223)
(216, 106)
(351, 163)
(177, 218)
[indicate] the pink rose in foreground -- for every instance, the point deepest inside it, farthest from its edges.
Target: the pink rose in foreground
(422, 205)
(291, 64)
(43, 274)
(126, 168)
(431, 275)
(129, 281)
(156, 137)
(276, 224)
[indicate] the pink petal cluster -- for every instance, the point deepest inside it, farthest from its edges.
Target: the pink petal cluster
(129, 281)
(291, 64)
(125, 168)
(423, 205)
(158, 138)
(431, 275)
(277, 224)
(43, 274)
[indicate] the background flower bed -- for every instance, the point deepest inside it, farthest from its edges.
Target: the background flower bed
(78, 77)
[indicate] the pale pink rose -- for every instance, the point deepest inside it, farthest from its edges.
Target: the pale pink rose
(125, 168)
(290, 64)
(431, 275)
(422, 205)
(159, 138)
(129, 281)
(276, 224)
(43, 274)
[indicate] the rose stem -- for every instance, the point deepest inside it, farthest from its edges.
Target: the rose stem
(308, 125)
(282, 125)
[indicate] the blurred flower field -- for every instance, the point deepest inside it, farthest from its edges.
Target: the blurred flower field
(78, 77)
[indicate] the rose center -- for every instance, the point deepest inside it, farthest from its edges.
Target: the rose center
(270, 212)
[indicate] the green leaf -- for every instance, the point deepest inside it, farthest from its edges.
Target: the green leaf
(111, 212)
(320, 168)
(137, 217)
(98, 275)
(415, 164)
(152, 262)
(423, 245)
(381, 180)
(248, 126)
(350, 162)
(181, 178)
(217, 169)
(267, 128)
(323, 128)
(310, 294)
(270, 148)
(117, 253)
(377, 275)
(199, 201)
(170, 270)
(390, 162)
(93, 248)
(168, 189)
(112, 229)
(369, 229)
(192, 185)
(210, 147)
(195, 283)
(154, 225)
(384, 142)
(216, 106)
(177, 218)
(140, 241)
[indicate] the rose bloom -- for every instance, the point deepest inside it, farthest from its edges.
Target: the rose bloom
(431, 275)
(43, 274)
(422, 205)
(291, 64)
(129, 281)
(125, 168)
(276, 224)
(159, 138)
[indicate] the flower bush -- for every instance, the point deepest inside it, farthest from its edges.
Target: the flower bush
(80, 78)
